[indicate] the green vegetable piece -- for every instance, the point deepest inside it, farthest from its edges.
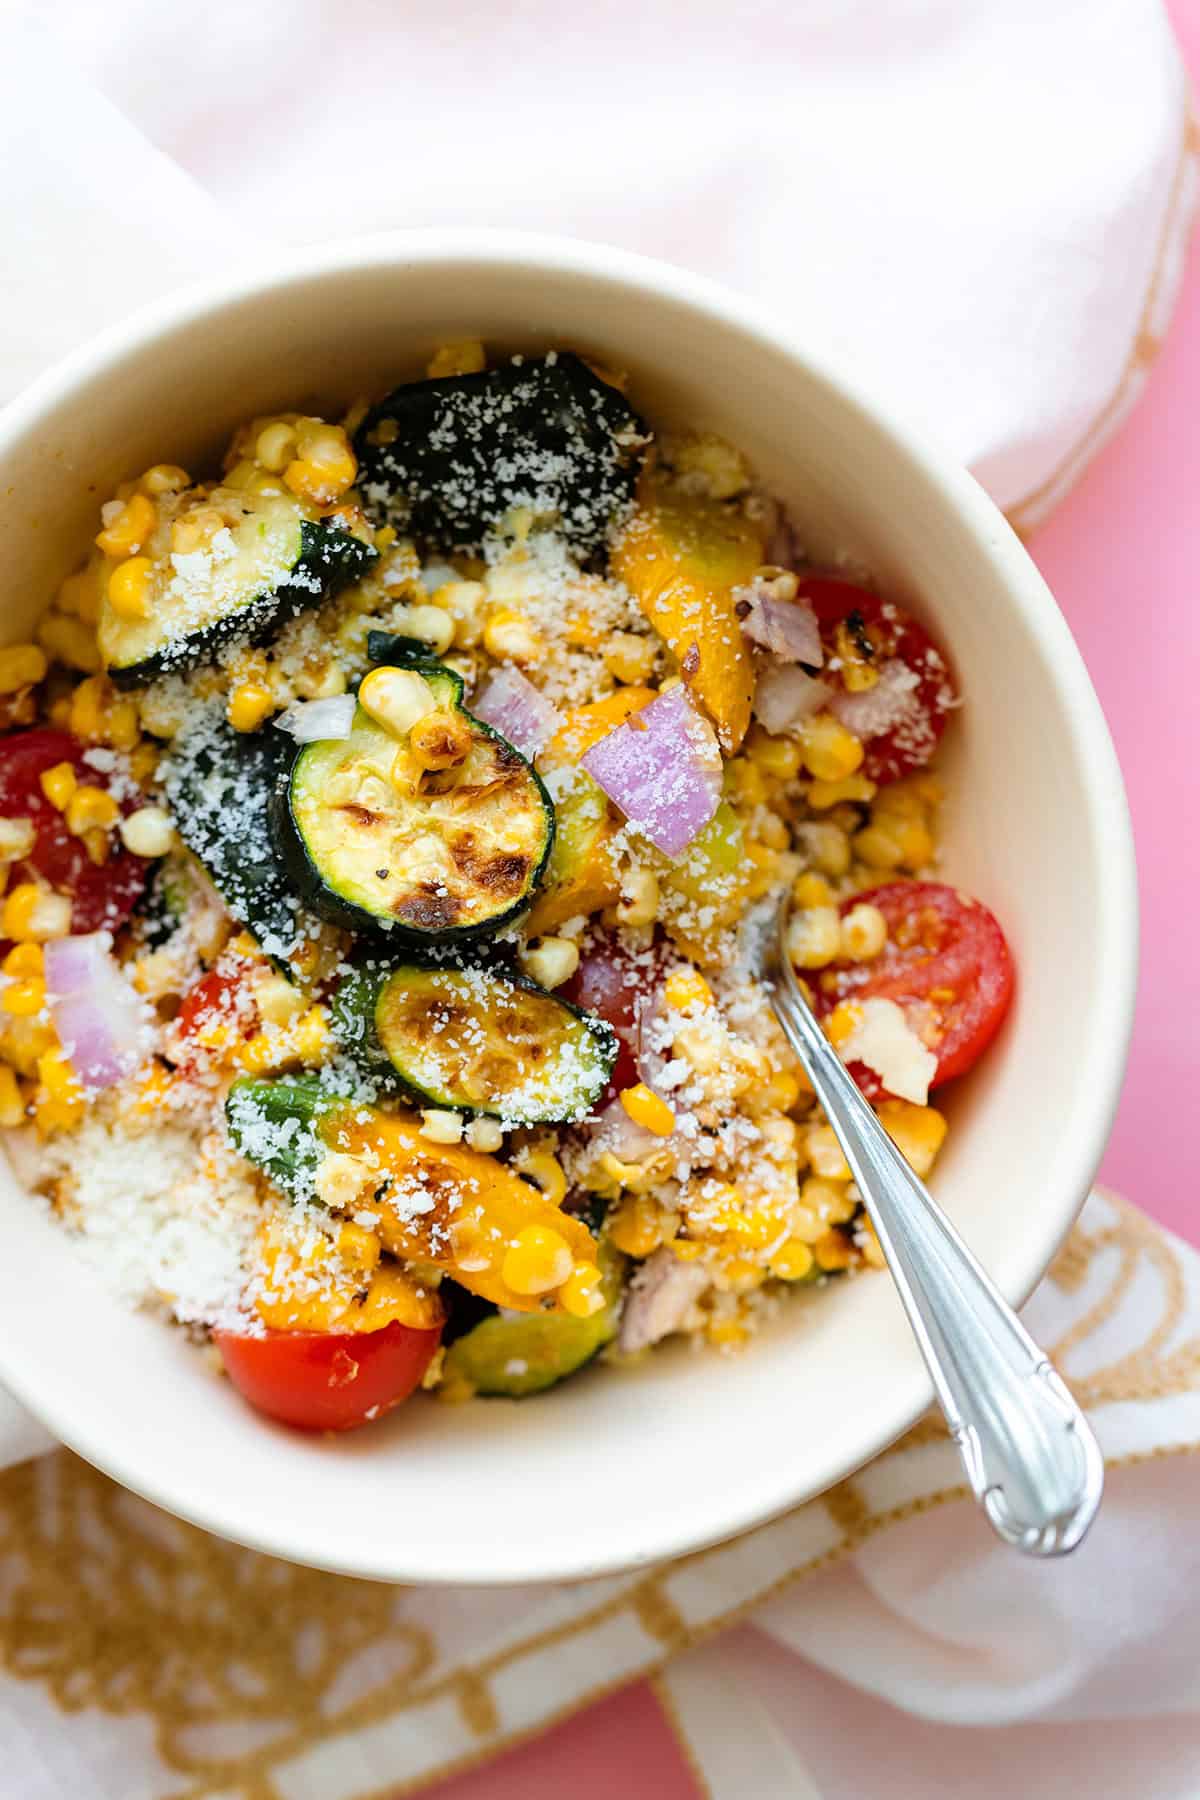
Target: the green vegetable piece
(516, 1354)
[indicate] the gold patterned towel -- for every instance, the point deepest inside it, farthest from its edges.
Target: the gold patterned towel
(140, 1656)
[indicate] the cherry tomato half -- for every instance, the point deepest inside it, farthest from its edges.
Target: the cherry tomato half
(102, 894)
(219, 1000)
(887, 635)
(328, 1381)
(617, 984)
(946, 963)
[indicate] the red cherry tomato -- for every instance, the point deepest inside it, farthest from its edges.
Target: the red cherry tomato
(102, 894)
(617, 984)
(328, 1381)
(946, 963)
(911, 740)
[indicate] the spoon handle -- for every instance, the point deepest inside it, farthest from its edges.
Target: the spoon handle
(1029, 1453)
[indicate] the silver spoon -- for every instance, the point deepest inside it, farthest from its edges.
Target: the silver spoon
(1029, 1454)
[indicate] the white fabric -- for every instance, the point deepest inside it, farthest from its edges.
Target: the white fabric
(983, 206)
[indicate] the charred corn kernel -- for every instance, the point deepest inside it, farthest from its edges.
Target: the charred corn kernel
(440, 740)
(12, 1104)
(148, 831)
(792, 1261)
(876, 846)
(829, 1200)
(648, 1109)
(582, 1293)
(825, 1153)
(550, 961)
(32, 914)
(441, 1126)
(17, 837)
(635, 1226)
(69, 641)
(509, 637)
(59, 784)
(20, 666)
(249, 704)
(275, 446)
(129, 588)
(829, 751)
(812, 890)
(484, 1134)
(857, 666)
(544, 1170)
(638, 904)
(628, 657)
(25, 997)
(340, 1180)
(822, 795)
(538, 1260)
(430, 625)
(842, 1022)
(278, 1002)
(918, 1132)
(165, 478)
(814, 936)
(833, 1251)
(864, 932)
(24, 959)
(685, 990)
(464, 357)
(775, 756)
(90, 809)
(396, 699)
(80, 596)
(130, 528)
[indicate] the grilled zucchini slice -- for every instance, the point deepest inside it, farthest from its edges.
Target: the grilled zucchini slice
(376, 843)
(477, 1040)
(267, 563)
(514, 1354)
(448, 459)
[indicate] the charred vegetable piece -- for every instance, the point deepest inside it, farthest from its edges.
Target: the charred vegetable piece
(449, 459)
(477, 1040)
(219, 783)
(270, 564)
(515, 1354)
(376, 840)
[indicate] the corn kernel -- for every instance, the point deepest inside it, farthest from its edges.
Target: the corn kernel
(129, 588)
(842, 1022)
(463, 601)
(69, 641)
(509, 637)
(550, 961)
(864, 933)
(685, 989)
(830, 752)
(20, 666)
(325, 469)
(165, 478)
(544, 1170)
(12, 1103)
(876, 846)
(635, 1226)
(832, 1251)
(814, 937)
(148, 831)
(432, 626)
(628, 657)
(24, 959)
(440, 740)
(143, 763)
(915, 840)
(539, 1259)
(441, 1126)
(278, 1002)
(80, 595)
(249, 704)
(726, 1334)
(311, 1036)
(196, 529)
(275, 446)
(56, 1074)
(463, 357)
(581, 1293)
(484, 1134)
(825, 1153)
(918, 1132)
(59, 784)
(396, 699)
(130, 529)
(782, 1090)
(812, 890)
(17, 838)
(32, 913)
(638, 904)
(775, 756)
(24, 998)
(340, 1180)
(823, 795)
(830, 1201)
(793, 1261)
(90, 809)
(648, 1109)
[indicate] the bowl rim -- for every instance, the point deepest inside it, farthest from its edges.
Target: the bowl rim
(1105, 1053)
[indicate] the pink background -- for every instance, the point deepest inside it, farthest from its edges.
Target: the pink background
(1121, 556)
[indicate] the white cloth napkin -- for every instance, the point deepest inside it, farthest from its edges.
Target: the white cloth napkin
(984, 207)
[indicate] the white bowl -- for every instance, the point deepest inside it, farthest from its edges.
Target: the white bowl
(614, 1469)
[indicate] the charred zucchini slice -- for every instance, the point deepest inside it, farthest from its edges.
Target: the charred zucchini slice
(449, 459)
(267, 563)
(377, 843)
(219, 783)
(513, 1354)
(477, 1040)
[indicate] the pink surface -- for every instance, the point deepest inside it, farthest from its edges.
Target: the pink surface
(1121, 555)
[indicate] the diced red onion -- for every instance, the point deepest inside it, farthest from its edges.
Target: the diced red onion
(308, 721)
(785, 628)
(786, 696)
(882, 706)
(511, 705)
(101, 1022)
(659, 1298)
(663, 769)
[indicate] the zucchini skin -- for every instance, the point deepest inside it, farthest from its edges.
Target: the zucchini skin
(309, 881)
(333, 558)
(293, 1160)
(354, 1013)
(570, 444)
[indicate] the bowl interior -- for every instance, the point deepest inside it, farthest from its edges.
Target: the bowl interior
(614, 1468)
